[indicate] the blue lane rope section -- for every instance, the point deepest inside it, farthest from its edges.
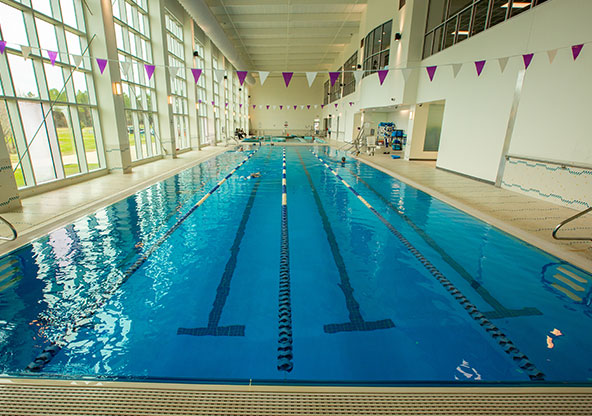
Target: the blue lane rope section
(356, 319)
(285, 355)
(49, 352)
(500, 311)
(508, 346)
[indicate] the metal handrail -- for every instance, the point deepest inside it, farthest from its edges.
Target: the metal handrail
(14, 232)
(570, 219)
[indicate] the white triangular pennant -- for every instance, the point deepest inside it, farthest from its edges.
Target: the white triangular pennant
(125, 67)
(219, 74)
(173, 70)
(302, 107)
(77, 60)
(406, 73)
(26, 51)
(456, 69)
(260, 106)
(358, 75)
(263, 76)
(552, 53)
(503, 62)
(274, 106)
(316, 106)
(310, 76)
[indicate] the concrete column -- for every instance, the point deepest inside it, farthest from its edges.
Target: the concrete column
(210, 92)
(9, 195)
(161, 77)
(113, 124)
(191, 88)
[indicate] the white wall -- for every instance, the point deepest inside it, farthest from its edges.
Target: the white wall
(274, 92)
(554, 99)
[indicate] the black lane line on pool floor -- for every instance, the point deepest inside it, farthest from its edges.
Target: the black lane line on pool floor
(50, 351)
(223, 289)
(500, 311)
(285, 353)
(508, 346)
(356, 320)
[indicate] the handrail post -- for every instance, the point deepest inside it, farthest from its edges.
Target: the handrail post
(570, 219)
(14, 232)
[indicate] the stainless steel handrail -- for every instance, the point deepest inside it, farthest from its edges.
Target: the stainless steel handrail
(570, 219)
(562, 164)
(14, 232)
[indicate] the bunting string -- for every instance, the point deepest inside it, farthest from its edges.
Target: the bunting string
(219, 74)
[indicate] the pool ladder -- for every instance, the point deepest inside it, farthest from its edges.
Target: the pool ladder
(570, 219)
(14, 232)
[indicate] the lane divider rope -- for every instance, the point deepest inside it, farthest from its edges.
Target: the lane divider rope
(508, 346)
(50, 351)
(285, 354)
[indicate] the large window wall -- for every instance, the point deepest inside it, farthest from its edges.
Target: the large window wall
(452, 21)
(377, 48)
(133, 43)
(349, 82)
(48, 112)
(178, 80)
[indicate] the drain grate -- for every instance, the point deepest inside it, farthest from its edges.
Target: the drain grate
(117, 399)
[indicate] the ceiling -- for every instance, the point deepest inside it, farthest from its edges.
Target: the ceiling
(289, 35)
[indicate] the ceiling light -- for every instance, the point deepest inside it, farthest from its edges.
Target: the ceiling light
(517, 5)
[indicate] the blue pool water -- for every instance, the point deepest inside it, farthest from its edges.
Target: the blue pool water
(357, 278)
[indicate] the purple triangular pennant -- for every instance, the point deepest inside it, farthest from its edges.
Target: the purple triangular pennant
(336, 105)
(287, 77)
(254, 106)
(431, 72)
(351, 103)
(149, 70)
(213, 103)
(196, 74)
(576, 49)
(308, 107)
(333, 77)
(281, 107)
(527, 59)
(240, 105)
(479, 66)
(295, 107)
(199, 101)
(322, 105)
(382, 75)
(267, 107)
(102, 63)
(225, 104)
(241, 76)
(52, 56)
(2, 46)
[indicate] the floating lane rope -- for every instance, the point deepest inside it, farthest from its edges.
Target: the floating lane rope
(285, 355)
(50, 351)
(508, 346)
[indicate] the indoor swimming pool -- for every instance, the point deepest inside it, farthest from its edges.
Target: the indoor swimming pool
(285, 265)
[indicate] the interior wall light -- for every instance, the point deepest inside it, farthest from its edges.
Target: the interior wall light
(170, 99)
(117, 88)
(397, 36)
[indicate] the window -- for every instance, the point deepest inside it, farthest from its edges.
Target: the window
(326, 92)
(452, 21)
(376, 48)
(349, 81)
(139, 96)
(336, 88)
(216, 90)
(178, 80)
(48, 112)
